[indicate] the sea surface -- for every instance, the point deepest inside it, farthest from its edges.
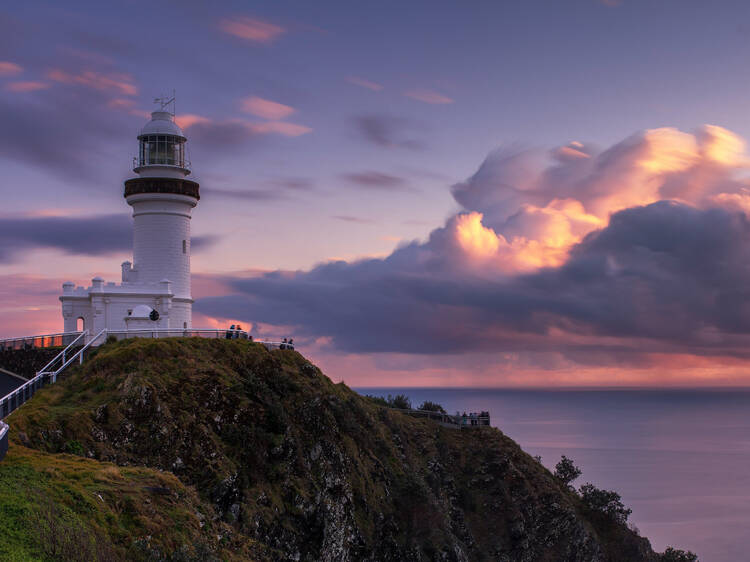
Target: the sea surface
(679, 458)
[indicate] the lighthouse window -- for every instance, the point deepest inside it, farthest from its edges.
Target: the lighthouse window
(184, 246)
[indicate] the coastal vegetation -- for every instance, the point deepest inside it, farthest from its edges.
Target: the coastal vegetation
(192, 449)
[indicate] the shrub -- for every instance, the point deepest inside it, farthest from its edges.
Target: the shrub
(432, 407)
(379, 400)
(605, 501)
(73, 447)
(399, 401)
(677, 555)
(566, 471)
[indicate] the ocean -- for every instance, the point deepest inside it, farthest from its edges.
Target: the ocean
(679, 458)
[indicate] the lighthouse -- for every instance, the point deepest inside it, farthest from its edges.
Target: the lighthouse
(154, 292)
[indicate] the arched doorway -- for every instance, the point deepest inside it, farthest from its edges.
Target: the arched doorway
(80, 324)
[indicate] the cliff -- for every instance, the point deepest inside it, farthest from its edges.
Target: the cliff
(188, 448)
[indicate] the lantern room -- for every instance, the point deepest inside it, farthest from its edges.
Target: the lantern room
(161, 146)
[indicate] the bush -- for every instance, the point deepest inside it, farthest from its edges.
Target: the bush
(677, 555)
(379, 400)
(605, 501)
(74, 447)
(399, 401)
(431, 407)
(566, 471)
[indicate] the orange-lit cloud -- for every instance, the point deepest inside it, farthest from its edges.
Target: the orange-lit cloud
(280, 128)
(118, 83)
(252, 29)
(8, 68)
(374, 86)
(265, 108)
(428, 96)
(26, 86)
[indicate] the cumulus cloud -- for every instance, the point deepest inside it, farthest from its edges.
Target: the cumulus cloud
(599, 255)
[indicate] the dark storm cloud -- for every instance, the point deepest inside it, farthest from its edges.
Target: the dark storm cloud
(388, 131)
(665, 277)
(98, 235)
(377, 180)
(94, 236)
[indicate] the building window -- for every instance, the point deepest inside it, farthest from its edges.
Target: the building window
(130, 312)
(184, 325)
(184, 246)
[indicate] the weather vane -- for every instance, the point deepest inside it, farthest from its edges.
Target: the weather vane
(164, 101)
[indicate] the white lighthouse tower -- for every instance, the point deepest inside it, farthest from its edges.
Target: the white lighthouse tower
(155, 288)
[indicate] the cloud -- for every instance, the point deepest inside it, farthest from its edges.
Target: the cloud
(265, 108)
(96, 235)
(428, 96)
(377, 180)
(282, 128)
(581, 255)
(71, 133)
(213, 134)
(26, 86)
(374, 86)
(8, 68)
(247, 194)
(116, 82)
(252, 29)
(388, 131)
(349, 218)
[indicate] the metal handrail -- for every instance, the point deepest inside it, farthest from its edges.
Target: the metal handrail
(62, 353)
(77, 355)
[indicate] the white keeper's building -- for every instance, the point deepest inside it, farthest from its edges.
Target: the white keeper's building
(154, 292)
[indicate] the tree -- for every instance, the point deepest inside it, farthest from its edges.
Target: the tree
(677, 555)
(432, 407)
(605, 501)
(566, 471)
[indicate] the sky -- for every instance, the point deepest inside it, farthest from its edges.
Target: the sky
(535, 193)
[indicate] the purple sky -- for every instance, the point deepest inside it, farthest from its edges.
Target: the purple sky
(341, 131)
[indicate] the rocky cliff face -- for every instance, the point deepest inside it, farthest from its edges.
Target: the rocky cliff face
(294, 467)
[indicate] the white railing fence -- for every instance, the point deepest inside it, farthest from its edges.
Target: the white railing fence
(41, 341)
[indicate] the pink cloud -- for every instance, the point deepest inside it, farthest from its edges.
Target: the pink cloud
(120, 83)
(428, 96)
(266, 108)
(9, 68)
(252, 29)
(189, 119)
(26, 86)
(364, 83)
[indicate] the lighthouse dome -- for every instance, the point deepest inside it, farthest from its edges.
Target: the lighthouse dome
(162, 123)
